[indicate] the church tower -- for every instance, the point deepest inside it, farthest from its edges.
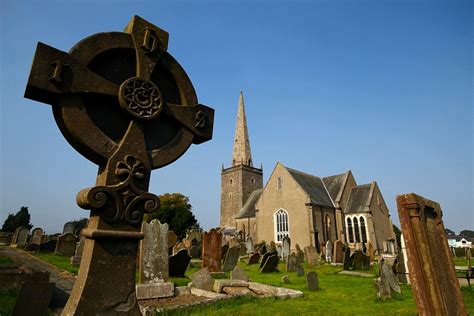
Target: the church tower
(241, 178)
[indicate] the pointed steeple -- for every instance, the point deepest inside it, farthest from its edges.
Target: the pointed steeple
(241, 153)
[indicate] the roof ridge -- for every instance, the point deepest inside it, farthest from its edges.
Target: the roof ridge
(305, 173)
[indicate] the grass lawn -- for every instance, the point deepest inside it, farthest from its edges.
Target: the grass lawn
(339, 294)
(5, 261)
(62, 262)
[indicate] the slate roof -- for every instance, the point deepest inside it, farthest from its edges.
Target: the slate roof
(334, 184)
(358, 199)
(313, 186)
(248, 210)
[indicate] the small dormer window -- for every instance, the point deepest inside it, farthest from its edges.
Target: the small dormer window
(279, 183)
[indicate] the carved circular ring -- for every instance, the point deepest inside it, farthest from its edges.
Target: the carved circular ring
(141, 98)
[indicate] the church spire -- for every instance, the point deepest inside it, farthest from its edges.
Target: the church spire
(241, 153)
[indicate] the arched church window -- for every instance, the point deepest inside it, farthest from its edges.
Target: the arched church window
(279, 183)
(356, 230)
(350, 232)
(281, 225)
(363, 231)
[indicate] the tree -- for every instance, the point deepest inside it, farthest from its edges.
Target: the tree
(175, 210)
(467, 233)
(20, 219)
(449, 232)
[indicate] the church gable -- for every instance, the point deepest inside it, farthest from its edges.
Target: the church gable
(359, 200)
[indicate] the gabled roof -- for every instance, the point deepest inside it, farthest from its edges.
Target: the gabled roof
(313, 186)
(248, 210)
(359, 198)
(335, 183)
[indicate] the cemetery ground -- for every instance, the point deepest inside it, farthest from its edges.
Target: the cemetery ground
(338, 294)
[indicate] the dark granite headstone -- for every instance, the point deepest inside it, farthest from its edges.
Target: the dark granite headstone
(361, 261)
(231, 259)
(347, 258)
(312, 281)
(33, 299)
(266, 256)
(262, 250)
(254, 258)
(178, 263)
(48, 246)
(299, 271)
(271, 263)
(224, 250)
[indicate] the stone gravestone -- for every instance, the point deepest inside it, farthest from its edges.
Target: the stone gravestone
(262, 250)
(286, 246)
(178, 263)
(311, 256)
(279, 250)
(238, 274)
(154, 252)
(265, 257)
(347, 262)
(292, 262)
(172, 239)
(402, 268)
(249, 245)
(254, 258)
(153, 262)
(338, 254)
(202, 280)
(371, 251)
(312, 282)
(361, 261)
(76, 259)
(211, 250)
(271, 263)
(48, 246)
(386, 283)
(231, 259)
(430, 262)
(299, 253)
(329, 251)
(69, 227)
(224, 250)
(125, 104)
(20, 237)
(194, 252)
(323, 253)
(37, 236)
(66, 245)
(272, 246)
(33, 299)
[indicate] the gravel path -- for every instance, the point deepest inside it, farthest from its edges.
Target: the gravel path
(64, 280)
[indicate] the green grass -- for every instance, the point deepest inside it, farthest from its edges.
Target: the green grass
(62, 262)
(7, 301)
(5, 261)
(338, 295)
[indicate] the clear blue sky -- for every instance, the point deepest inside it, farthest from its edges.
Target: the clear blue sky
(383, 88)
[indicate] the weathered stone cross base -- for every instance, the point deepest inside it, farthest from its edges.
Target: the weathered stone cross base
(106, 280)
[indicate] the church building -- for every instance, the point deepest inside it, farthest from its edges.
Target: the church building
(309, 209)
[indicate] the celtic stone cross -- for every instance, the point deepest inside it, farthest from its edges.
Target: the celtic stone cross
(126, 104)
